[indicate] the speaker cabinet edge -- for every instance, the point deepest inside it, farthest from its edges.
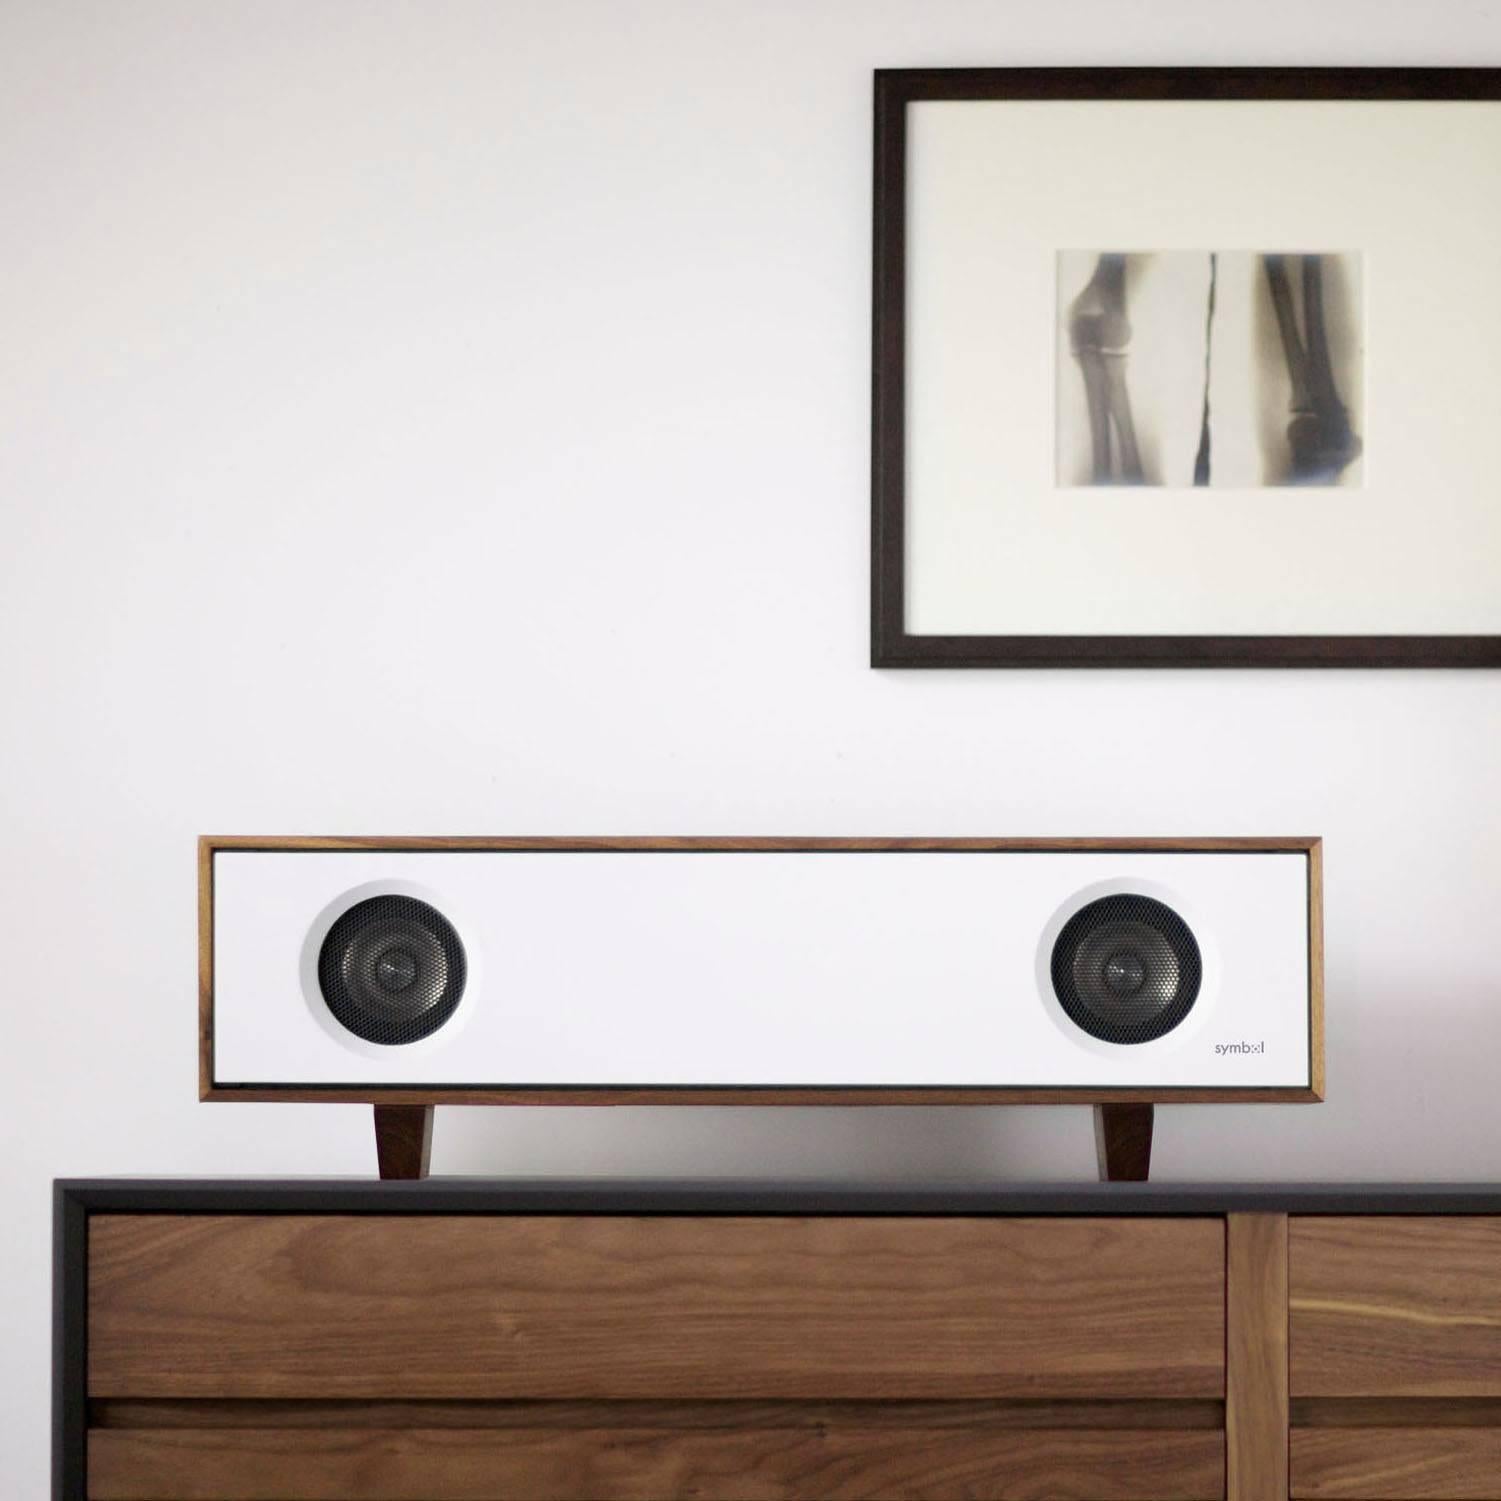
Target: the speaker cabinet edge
(480, 843)
(206, 846)
(770, 1095)
(1316, 969)
(209, 1090)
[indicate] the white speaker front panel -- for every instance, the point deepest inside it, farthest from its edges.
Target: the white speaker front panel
(828, 968)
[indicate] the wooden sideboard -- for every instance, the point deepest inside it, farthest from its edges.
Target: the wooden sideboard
(454, 1340)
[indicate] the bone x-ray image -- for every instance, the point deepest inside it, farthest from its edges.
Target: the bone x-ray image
(1216, 368)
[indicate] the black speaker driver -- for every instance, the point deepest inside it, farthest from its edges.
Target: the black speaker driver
(392, 969)
(1126, 969)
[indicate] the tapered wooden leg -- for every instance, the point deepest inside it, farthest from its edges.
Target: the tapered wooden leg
(1123, 1142)
(403, 1140)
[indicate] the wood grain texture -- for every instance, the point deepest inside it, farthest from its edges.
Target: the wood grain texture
(1316, 968)
(1396, 1306)
(205, 968)
(1123, 1142)
(1225, 843)
(240, 1464)
(1397, 1464)
(1256, 1400)
(772, 1096)
(654, 1307)
(403, 1140)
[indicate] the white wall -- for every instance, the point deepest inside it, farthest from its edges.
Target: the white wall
(453, 417)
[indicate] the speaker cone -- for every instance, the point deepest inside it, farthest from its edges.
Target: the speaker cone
(1126, 969)
(392, 969)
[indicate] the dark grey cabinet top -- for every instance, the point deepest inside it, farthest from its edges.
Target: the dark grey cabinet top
(471, 1195)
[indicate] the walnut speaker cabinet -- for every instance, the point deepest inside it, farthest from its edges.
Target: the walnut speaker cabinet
(408, 972)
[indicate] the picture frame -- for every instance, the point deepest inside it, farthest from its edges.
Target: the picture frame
(1348, 209)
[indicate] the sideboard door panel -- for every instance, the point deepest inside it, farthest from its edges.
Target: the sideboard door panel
(1433, 1463)
(1395, 1306)
(1395, 1357)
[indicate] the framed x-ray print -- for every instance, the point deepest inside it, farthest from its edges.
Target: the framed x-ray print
(1187, 367)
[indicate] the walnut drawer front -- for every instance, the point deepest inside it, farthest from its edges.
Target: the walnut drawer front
(1391, 1462)
(1395, 1306)
(819, 1457)
(1395, 1357)
(653, 1307)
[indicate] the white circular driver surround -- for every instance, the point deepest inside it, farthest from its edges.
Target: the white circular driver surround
(1209, 977)
(312, 992)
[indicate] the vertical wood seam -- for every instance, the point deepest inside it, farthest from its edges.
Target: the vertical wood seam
(1256, 1358)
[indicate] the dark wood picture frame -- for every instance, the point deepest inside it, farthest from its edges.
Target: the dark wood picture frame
(891, 644)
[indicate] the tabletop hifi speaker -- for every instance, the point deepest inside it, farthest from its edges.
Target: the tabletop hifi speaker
(407, 973)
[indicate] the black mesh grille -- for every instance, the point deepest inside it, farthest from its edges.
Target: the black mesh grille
(392, 969)
(1126, 969)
